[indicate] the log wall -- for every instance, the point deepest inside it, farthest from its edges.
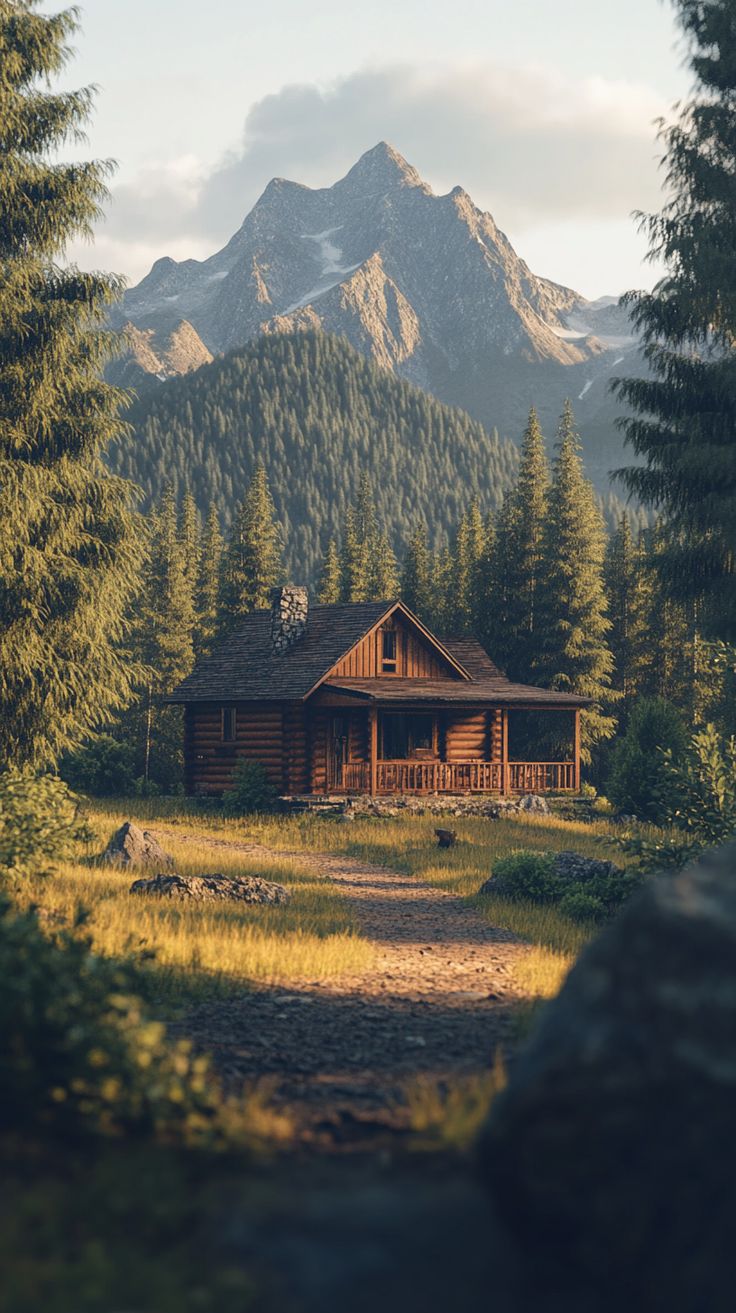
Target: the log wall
(466, 736)
(259, 736)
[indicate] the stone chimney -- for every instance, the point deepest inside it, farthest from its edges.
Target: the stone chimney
(289, 612)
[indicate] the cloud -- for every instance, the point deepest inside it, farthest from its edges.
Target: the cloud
(528, 144)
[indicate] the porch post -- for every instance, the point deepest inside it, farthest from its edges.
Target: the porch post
(505, 782)
(576, 750)
(373, 748)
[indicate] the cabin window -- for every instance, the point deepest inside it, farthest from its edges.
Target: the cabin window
(389, 651)
(229, 724)
(405, 735)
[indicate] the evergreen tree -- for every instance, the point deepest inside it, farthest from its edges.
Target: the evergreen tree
(208, 582)
(383, 577)
(685, 415)
(165, 633)
(353, 562)
(416, 577)
(189, 532)
(467, 552)
(523, 552)
(252, 561)
(628, 592)
(69, 543)
(572, 651)
(494, 623)
(328, 589)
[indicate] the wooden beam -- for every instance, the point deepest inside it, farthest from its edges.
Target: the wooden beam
(373, 748)
(576, 749)
(504, 750)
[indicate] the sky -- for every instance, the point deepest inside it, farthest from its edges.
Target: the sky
(543, 110)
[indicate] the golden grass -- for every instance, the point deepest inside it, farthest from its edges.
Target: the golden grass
(315, 937)
(449, 1113)
(206, 949)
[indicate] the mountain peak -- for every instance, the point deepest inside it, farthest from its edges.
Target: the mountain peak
(383, 166)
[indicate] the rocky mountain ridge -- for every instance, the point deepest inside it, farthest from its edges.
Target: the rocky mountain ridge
(427, 286)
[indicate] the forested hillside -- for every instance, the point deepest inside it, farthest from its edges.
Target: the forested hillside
(318, 415)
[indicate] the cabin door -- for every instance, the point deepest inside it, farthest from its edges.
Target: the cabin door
(337, 752)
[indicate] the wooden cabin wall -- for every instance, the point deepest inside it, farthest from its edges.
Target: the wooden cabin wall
(415, 660)
(466, 736)
(259, 737)
(358, 742)
(318, 751)
(296, 748)
(496, 717)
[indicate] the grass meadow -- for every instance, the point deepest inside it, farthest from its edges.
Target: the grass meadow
(208, 950)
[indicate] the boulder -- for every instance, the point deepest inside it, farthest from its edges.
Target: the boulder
(213, 888)
(574, 868)
(131, 846)
(533, 802)
(610, 1151)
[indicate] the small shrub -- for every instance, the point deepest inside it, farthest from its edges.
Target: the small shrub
(639, 779)
(39, 821)
(582, 906)
(525, 875)
(105, 768)
(583, 892)
(702, 787)
(80, 1056)
(250, 792)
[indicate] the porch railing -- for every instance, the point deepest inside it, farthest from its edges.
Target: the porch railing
(458, 777)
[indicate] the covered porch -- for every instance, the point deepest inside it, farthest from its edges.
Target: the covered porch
(464, 748)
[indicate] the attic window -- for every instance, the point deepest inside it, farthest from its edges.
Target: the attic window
(229, 724)
(389, 651)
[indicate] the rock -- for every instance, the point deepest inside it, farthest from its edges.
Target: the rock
(131, 846)
(446, 838)
(608, 1153)
(212, 888)
(533, 802)
(573, 868)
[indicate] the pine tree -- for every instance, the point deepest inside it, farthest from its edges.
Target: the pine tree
(189, 533)
(527, 510)
(494, 619)
(383, 576)
(628, 592)
(416, 577)
(685, 414)
(69, 543)
(252, 561)
(208, 582)
(165, 632)
(328, 589)
(353, 562)
(572, 651)
(467, 551)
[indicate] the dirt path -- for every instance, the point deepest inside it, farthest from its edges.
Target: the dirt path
(437, 1000)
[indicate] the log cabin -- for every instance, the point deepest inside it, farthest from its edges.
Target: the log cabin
(362, 698)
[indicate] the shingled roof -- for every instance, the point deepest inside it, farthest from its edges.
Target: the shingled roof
(245, 668)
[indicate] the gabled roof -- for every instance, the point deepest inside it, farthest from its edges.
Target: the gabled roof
(244, 667)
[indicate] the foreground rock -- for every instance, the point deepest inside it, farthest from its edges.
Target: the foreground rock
(213, 888)
(131, 846)
(610, 1151)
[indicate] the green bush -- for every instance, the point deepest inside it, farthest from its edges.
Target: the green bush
(39, 821)
(79, 1054)
(594, 893)
(701, 787)
(250, 792)
(639, 779)
(526, 875)
(105, 768)
(582, 906)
